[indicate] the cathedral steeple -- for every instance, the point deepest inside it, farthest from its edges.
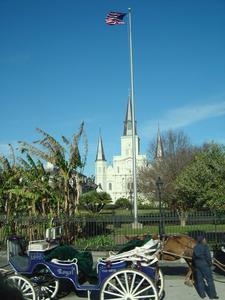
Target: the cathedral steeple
(128, 120)
(159, 147)
(100, 151)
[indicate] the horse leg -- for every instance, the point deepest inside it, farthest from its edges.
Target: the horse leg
(189, 280)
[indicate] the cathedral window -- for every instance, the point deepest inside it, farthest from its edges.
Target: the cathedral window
(110, 186)
(130, 186)
(118, 169)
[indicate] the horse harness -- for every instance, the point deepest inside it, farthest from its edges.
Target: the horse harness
(186, 246)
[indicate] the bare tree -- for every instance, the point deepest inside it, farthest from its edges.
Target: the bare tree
(178, 153)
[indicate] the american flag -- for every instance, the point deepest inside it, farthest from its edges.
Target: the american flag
(115, 18)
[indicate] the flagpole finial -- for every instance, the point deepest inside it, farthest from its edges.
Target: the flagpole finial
(129, 8)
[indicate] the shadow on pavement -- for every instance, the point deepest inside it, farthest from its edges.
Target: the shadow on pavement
(170, 270)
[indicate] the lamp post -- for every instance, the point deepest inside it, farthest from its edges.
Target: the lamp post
(131, 201)
(159, 185)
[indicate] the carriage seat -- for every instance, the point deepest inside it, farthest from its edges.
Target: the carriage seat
(20, 263)
(52, 236)
(41, 245)
(64, 262)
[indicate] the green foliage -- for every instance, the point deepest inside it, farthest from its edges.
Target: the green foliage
(94, 201)
(109, 207)
(9, 178)
(27, 186)
(146, 206)
(202, 183)
(123, 203)
(57, 189)
(95, 243)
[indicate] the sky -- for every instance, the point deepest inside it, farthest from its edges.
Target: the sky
(60, 64)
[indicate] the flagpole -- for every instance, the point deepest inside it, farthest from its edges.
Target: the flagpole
(133, 123)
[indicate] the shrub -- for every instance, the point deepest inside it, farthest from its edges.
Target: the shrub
(123, 203)
(95, 243)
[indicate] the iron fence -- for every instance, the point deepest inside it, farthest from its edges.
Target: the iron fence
(108, 231)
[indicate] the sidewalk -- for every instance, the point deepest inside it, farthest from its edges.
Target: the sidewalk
(175, 289)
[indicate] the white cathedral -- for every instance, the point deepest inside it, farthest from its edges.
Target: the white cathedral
(116, 179)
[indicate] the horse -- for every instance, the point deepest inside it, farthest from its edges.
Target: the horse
(179, 246)
(174, 247)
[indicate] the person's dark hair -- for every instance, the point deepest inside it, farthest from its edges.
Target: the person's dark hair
(8, 292)
(200, 238)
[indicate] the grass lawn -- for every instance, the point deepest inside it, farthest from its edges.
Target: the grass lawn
(117, 237)
(169, 229)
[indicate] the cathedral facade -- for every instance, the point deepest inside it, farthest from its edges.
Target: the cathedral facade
(116, 179)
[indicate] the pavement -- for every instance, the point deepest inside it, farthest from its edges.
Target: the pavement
(175, 289)
(174, 274)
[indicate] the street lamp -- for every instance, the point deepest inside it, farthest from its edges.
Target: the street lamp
(159, 185)
(131, 200)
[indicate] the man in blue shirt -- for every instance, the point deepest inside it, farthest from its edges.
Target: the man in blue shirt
(203, 274)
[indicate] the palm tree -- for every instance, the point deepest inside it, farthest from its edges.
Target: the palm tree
(34, 186)
(9, 176)
(67, 164)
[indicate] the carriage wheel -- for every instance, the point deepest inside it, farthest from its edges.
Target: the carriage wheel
(65, 288)
(24, 285)
(46, 286)
(160, 285)
(128, 284)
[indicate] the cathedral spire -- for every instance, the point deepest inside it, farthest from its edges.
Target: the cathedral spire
(100, 151)
(159, 147)
(128, 120)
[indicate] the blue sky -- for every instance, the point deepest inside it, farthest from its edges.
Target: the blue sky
(61, 64)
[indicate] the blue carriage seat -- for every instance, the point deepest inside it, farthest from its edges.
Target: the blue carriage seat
(69, 266)
(64, 254)
(16, 256)
(20, 263)
(21, 257)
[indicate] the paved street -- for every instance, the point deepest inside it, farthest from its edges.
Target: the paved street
(174, 281)
(176, 290)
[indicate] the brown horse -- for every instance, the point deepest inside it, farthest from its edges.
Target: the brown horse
(174, 247)
(177, 246)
